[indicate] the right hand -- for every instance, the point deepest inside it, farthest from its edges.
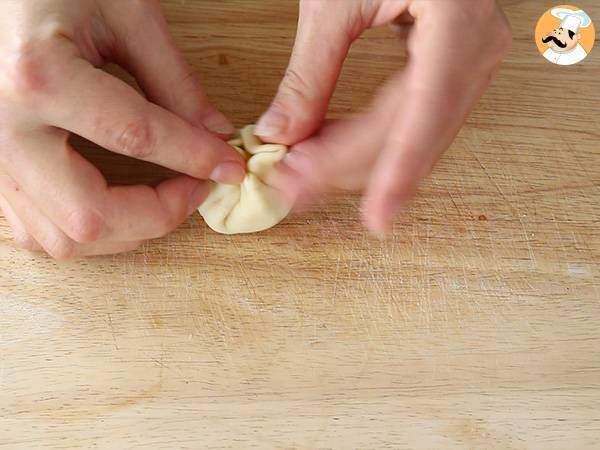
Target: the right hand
(388, 149)
(51, 85)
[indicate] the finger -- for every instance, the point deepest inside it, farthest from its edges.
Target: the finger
(21, 236)
(107, 248)
(326, 162)
(323, 39)
(402, 25)
(73, 194)
(146, 48)
(341, 155)
(35, 224)
(439, 91)
(161, 209)
(415, 142)
(91, 103)
(50, 237)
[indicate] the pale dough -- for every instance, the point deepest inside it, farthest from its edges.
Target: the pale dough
(253, 205)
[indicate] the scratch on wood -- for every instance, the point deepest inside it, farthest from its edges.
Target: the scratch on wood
(112, 330)
(527, 242)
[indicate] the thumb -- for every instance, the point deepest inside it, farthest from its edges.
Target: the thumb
(301, 103)
(147, 49)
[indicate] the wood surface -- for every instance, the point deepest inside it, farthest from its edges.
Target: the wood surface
(476, 325)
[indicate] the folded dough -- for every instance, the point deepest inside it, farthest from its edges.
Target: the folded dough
(253, 205)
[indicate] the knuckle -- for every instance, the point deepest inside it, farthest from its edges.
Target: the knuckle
(140, 10)
(350, 18)
(27, 68)
(296, 88)
(84, 226)
(24, 241)
(60, 248)
(135, 139)
(144, 4)
(493, 21)
(310, 6)
(481, 9)
(166, 222)
(500, 45)
(295, 82)
(505, 35)
(472, 12)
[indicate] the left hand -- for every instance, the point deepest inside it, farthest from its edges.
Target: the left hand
(454, 46)
(51, 85)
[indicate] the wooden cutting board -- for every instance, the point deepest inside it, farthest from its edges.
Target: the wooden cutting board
(476, 325)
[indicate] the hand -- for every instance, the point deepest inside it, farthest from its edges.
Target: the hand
(454, 47)
(50, 85)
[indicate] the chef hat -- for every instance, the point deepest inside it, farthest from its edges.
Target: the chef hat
(572, 20)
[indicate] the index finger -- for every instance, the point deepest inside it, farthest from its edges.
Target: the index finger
(440, 86)
(103, 109)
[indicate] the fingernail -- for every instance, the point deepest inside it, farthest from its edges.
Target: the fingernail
(380, 221)
(228, 172)
(301, 159)
(218, 124)
(197, 197)
(295, 161)
(395, 209)
(379, 235)
(271, 124)
(379, 227)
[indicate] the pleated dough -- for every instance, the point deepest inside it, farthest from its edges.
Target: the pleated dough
(253, 205)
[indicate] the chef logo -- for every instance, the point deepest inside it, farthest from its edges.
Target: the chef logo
(565, 35)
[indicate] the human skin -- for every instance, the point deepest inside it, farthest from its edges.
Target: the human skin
(454, 47)
(51, 85)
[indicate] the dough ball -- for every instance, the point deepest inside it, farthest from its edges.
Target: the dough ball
(253, 205)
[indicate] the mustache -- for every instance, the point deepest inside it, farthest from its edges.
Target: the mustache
(556, 41)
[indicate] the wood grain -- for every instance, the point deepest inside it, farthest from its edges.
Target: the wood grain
(476, 325)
